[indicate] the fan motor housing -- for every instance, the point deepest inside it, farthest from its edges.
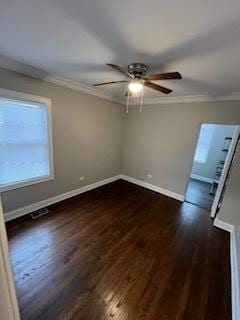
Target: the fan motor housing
(138, 69)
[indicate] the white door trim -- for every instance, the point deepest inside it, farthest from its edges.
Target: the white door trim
(234, 265)
(225, 171)
(9, 302)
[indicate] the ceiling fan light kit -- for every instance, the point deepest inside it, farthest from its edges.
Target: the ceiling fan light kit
(135, 86)
(138, 77)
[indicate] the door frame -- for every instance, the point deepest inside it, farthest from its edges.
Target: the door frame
(9, 304)
(225, 171)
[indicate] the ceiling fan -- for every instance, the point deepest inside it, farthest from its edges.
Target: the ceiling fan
(138, 78)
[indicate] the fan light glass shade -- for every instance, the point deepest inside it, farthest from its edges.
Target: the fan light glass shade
(135, 86)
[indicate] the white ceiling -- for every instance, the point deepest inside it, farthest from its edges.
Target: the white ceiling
(74, 39)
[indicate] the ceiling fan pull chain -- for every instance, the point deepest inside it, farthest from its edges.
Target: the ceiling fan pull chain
(141, 102)
(127, 103)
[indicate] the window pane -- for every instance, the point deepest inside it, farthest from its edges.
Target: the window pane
(23, 142)
(201, 153)
(206, 133)
(204, 142)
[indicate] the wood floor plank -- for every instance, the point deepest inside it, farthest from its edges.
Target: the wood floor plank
(121, 252)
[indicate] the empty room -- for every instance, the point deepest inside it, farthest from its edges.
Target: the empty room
(119, 160)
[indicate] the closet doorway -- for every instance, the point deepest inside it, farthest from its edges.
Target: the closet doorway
(214, 145)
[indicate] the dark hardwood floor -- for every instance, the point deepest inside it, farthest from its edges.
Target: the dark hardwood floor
(121, 252)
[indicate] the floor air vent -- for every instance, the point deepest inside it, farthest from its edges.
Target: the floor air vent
(39, 213)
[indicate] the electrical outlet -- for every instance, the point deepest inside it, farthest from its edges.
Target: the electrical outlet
(149, 176)
(81, 178)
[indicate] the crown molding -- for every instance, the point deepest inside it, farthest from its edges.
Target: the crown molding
(187, 99)
(13, 65)
(28, 70)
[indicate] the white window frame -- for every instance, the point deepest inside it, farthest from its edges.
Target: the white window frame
(31, 99)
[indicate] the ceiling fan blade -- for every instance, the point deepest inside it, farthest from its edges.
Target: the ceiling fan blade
(157, 87)
(111, 82)
(164, 76)
(116, 67)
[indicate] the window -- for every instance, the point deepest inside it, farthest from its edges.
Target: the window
(25, 143)
(204, 142)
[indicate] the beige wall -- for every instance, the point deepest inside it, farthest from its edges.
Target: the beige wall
(87, 139)
(161, 140)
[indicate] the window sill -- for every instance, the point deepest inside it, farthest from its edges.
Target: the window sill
(25, 183)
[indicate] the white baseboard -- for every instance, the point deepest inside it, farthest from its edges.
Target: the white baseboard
(153, 187)
(235, 262)
(223, 225)
(201, 178)
(41, 204)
